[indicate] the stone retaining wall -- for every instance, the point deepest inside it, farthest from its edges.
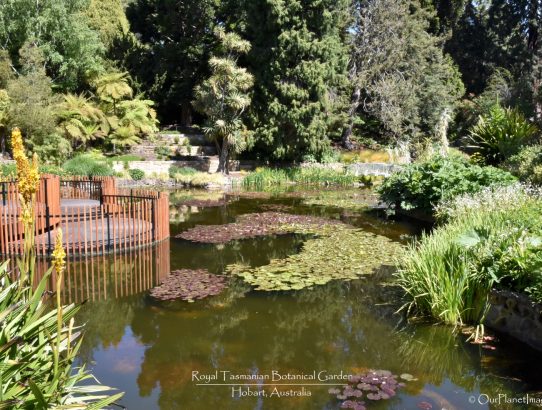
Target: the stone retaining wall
(202, 164)
(516, 315)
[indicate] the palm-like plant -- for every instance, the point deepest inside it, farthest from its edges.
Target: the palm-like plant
(139, 115)
(501, 134)
(113, 87)
(124, 137)
(80, 121)
(224, 97)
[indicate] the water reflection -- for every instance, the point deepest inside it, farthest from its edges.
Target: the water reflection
(149, 349)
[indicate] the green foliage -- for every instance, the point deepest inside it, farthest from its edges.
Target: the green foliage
(8, 170)
(174, 170)
(422, 186)
(527, 164)
(491, 239)
(399, 71)
(170, 69)
(267, 177)
(501, 134)
(299, 58)
(224, 97)
(126, 158)
(81, 121)
(59, 29)
(88, 165)
(136, 174)
(38, 346)
(197, 179)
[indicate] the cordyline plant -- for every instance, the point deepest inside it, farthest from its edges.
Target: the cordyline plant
(38, 340)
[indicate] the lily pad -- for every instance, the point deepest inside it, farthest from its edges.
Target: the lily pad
(189, 285)
(254, 225)
(379, 384)
(337, 253)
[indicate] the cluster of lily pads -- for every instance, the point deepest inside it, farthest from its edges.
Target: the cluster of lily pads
(353, 200)
(189, 285)
(373, 385)
(336, 253)
(254, 225)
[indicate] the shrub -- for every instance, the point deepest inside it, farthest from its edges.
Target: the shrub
(137, 174)
(500, 134)
(175, 170)
(88, 165)
(198, 179)
(8, 170)
(527, 164)
(492, 238)
(422, 186)
(162, 151)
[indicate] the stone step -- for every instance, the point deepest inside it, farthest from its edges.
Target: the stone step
(184, 139)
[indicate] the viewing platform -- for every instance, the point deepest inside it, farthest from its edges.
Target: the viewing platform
(95, 216)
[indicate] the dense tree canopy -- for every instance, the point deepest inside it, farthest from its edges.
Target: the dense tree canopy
(324, 71)
(72, 50)
(299, 59)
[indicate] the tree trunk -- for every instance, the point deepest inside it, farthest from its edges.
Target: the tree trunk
(533, 45)
(186, 114)
(224, 158)
(347, 132)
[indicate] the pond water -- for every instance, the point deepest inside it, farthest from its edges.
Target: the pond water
(150, 350)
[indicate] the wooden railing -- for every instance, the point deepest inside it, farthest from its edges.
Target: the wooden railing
(105, 220)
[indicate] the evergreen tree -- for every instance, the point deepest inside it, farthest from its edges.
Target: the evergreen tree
(299, 59)
(401, 76)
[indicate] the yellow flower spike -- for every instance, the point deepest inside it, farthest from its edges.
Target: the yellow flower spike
(59, 255)
(27, 172)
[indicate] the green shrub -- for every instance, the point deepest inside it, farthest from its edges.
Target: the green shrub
(501, 134)
(175, 170)
(126, 158)
(51, 169)
(422, 186)
(527, 164)
(8, 170)
(162, 151)
(137, 174)
(491, 239)
(198, 179)
(88, 165)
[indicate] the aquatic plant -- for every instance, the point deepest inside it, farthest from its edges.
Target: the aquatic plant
(189, 285)
(254, 225)
(354, 200)
(372, 385)
(449, 273)
(337, 253)
(266, 177)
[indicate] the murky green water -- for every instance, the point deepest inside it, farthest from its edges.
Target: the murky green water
(153, 350)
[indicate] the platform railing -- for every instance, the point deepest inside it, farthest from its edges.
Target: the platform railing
(119, 221)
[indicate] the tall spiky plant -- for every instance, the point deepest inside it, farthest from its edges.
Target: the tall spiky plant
(224, 97)
(38, 345)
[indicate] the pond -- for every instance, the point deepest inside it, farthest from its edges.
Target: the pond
(164, 355)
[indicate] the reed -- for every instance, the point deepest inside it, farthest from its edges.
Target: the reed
(449, 273)
(266, 177)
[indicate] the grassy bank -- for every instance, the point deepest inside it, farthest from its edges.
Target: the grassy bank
(266, 177)
(489, 239)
